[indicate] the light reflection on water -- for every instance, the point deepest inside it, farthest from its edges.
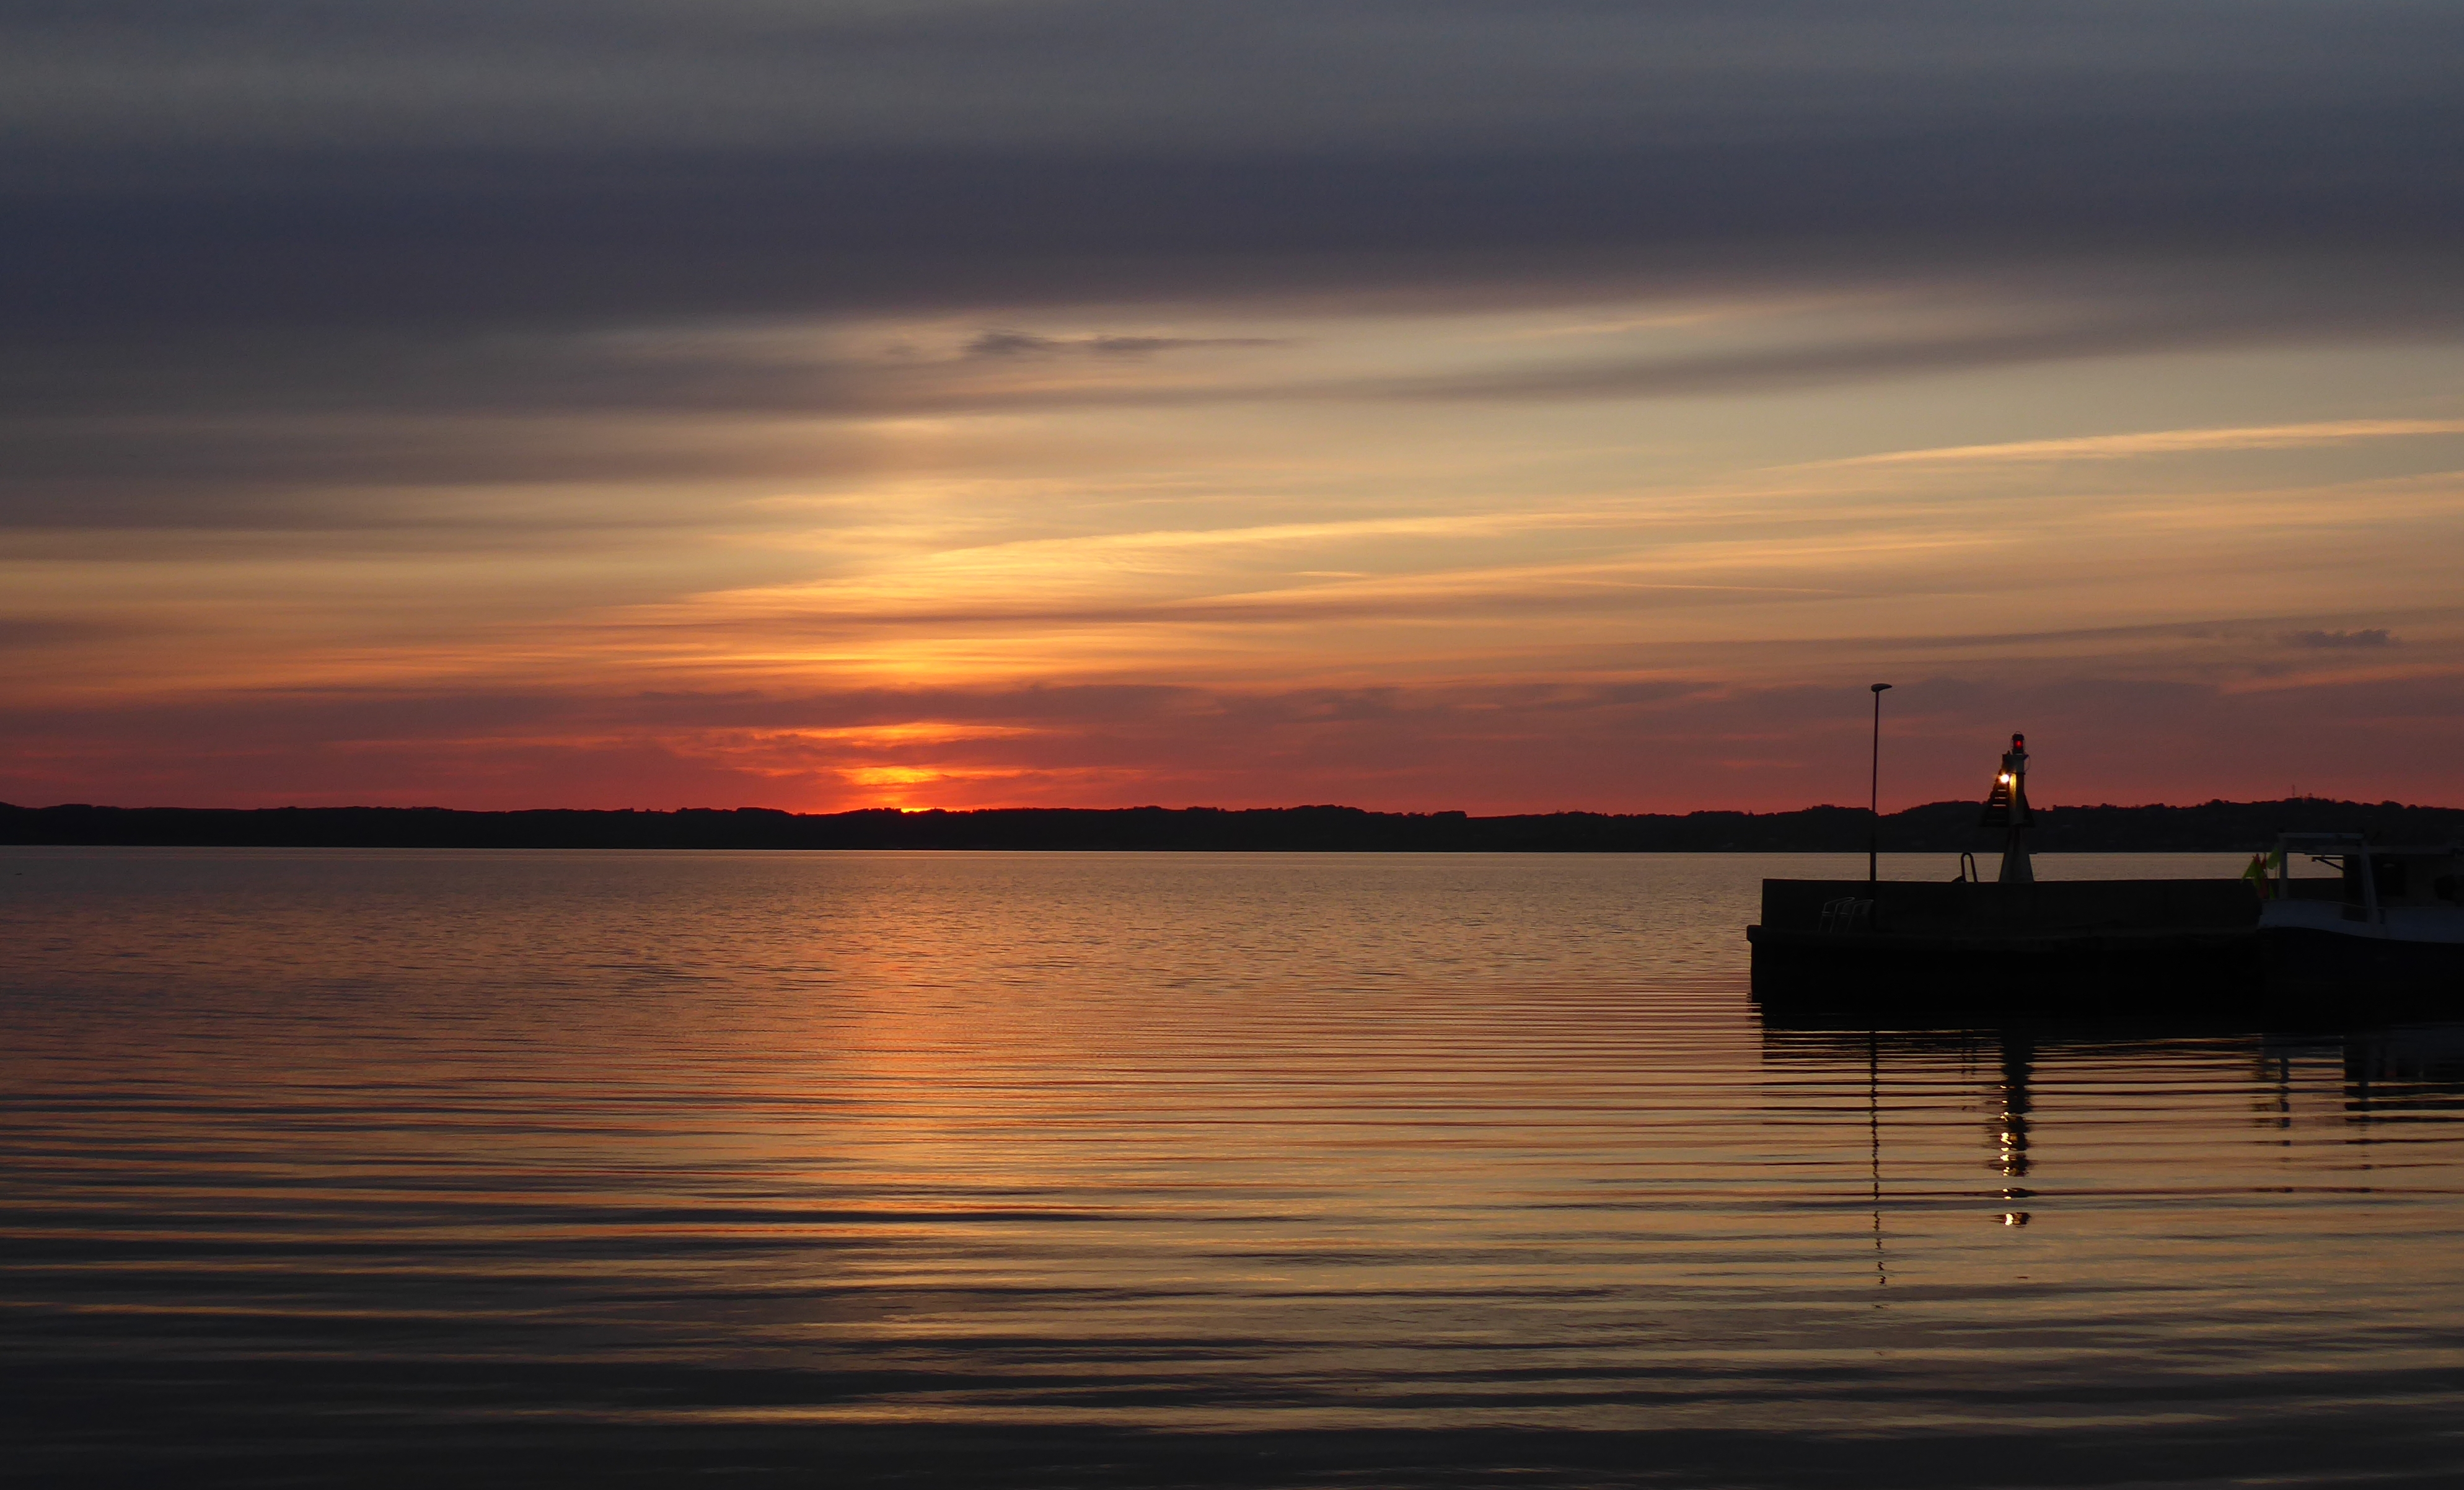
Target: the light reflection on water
(1217, 1170)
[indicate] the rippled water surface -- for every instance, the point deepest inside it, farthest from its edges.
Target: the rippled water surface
(1055, 1169)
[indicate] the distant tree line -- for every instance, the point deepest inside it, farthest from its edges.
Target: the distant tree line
(1937, 827)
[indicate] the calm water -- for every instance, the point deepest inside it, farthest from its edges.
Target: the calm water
(436, 1167)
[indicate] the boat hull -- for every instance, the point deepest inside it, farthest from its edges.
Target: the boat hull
(2315, 963)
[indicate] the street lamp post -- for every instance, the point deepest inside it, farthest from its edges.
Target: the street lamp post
(1874, 798)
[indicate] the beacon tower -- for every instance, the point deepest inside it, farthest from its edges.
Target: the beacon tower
(2005, 808)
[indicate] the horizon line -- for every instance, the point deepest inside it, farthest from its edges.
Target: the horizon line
(953, 812)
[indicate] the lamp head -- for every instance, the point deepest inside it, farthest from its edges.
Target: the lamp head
(1880, 687)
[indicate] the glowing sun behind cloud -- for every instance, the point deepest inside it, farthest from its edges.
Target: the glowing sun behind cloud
(1589, 440)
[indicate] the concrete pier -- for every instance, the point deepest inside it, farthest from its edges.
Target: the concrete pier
(2096, 946)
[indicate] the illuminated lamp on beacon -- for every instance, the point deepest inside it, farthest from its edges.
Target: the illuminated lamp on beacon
(2005, 808)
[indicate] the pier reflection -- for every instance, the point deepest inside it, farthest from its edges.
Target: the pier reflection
(2010, 1125)
(2015, 1118)
(2413, 1069)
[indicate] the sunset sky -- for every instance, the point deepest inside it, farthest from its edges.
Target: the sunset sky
(977, 403)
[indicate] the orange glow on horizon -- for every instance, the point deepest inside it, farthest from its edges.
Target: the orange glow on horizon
(1274, 568)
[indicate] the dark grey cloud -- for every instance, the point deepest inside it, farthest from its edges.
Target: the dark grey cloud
(2362, 637)
(25, 633)
(1191, 76)
(270, 212)
(248, 164)
(343, 474)
(295, 429)
(611, 238)
(999, 342)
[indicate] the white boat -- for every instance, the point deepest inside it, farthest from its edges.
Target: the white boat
(2391, 920)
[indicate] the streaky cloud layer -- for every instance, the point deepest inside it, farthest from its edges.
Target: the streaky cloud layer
(1420, 405)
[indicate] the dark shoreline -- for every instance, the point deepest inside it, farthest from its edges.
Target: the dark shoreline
(1937, 827)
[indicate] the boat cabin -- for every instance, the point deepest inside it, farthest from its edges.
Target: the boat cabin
(2371, 880)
